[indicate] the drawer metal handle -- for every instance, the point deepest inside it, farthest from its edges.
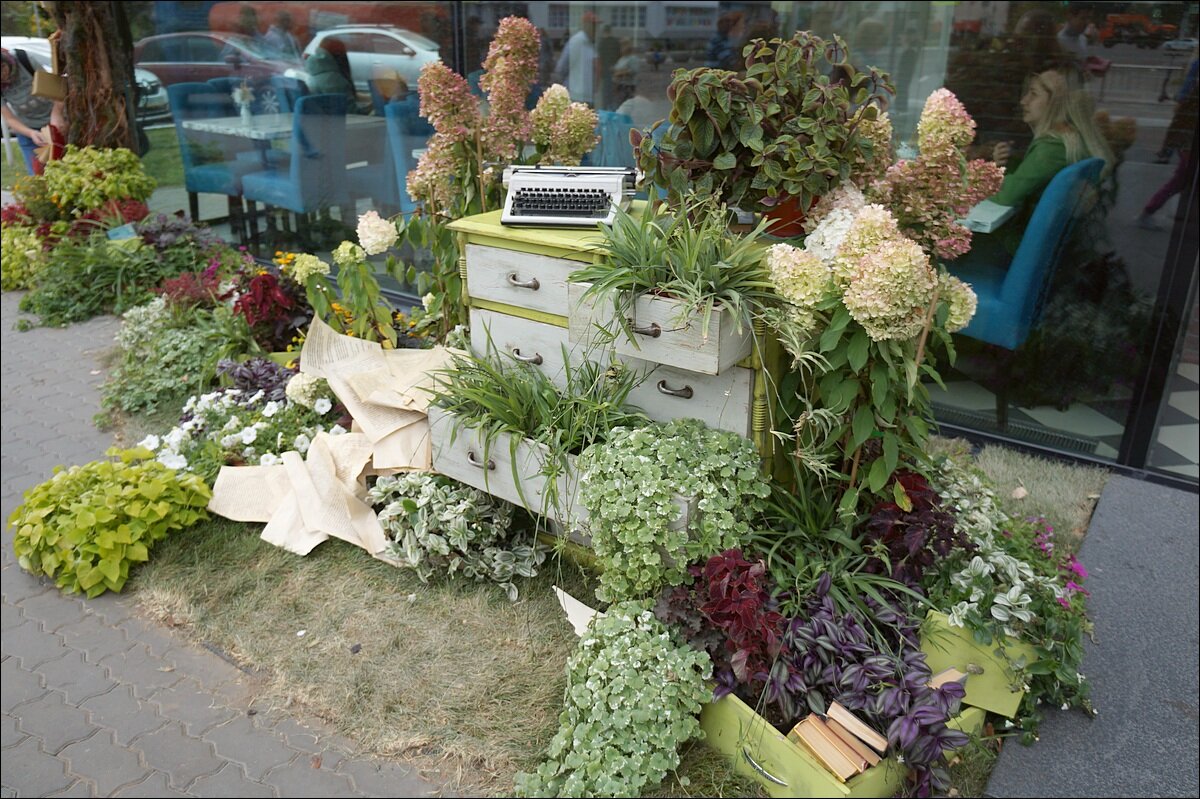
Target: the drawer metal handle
(653, 331)
(766, 774)
(683, 393)
(531, 284)
(535, 359)
(478, 464)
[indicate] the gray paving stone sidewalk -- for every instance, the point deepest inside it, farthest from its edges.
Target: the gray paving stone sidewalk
(95, 700)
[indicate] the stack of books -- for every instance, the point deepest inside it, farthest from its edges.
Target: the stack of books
(841, 742)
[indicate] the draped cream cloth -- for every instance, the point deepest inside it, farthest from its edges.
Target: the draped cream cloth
(307, 499)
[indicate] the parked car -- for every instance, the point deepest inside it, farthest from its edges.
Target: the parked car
(379, 51)
(151, 94)
(201, 56)
(1179, 45)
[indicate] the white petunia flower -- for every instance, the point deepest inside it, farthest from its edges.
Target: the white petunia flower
(249, 434)
(322, 406)
(271, 408)
(338, 430)
(269, 459)
(172, 460)
(301, 443)
(149, 442)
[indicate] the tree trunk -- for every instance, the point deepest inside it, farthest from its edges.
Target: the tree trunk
(98, 59)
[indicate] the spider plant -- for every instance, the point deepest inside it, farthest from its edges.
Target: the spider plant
(496, 395)
(691, 257)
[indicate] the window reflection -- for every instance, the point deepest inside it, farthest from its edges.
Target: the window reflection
(1067, 385)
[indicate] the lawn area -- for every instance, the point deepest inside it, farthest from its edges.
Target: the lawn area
(162, 162)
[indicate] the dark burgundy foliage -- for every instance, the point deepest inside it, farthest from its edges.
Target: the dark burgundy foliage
(15, 214)
(192, 290)
(258, 374)
(272, 310)
(915, 539)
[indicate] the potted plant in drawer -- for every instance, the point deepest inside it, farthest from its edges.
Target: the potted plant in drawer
(505, 428)
(1016, 612)
(677, 290)
(775, 138)
(790, 668)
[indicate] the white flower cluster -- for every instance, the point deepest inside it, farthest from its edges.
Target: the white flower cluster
(961, 299)
(306, 265)
(375, 233)
(231, 425)
(348, 254)
(305, 389)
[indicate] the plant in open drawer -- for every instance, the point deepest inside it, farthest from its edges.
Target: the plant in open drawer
(691, 257)
(787, 666)
(1014, 584)
(498, 396)
(630, 483)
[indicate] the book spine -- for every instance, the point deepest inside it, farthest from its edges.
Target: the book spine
(828, 757)
(858, 727)
(844, 749)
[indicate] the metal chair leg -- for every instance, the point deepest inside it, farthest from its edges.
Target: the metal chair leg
(194, 205)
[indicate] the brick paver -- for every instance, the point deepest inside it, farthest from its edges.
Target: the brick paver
(97, 700)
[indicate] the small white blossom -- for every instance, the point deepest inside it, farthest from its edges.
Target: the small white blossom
(172, 460)
(249, 434)
(149, 442)
(271, 408)
(322, 406)
(338, 430)
(269, 459)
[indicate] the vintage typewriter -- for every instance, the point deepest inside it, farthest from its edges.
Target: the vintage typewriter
(566, 196)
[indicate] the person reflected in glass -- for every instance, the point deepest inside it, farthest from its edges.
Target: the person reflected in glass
(1060, 114)
(725, 47)
(1178, 138)
(577, 64)
(608, 52)
(326, 75)
(280, 39)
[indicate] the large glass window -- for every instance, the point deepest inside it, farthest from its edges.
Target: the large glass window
(1067, 381)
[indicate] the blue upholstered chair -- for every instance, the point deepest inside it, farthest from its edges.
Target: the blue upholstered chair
(1011, 295)
(387, 188)
(209, 167)
(315, 178)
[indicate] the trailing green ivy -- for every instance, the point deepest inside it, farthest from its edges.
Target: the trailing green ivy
(633, 694)
(87, 525)
(631, 486)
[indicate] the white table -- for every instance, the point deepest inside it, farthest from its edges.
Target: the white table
(273, 127)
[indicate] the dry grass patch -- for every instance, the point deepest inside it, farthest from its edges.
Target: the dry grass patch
(449, 674)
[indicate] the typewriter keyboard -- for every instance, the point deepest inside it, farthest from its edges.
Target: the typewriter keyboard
(568, 202)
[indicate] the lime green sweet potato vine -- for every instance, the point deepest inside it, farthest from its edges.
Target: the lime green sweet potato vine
(87, 525)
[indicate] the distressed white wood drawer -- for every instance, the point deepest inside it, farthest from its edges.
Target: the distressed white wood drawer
(660, 332)
(721, 401)
(522, 279)
(536, 343)
(460, 452)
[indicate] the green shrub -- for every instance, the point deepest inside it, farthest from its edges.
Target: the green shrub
(87, 525)
(167, 355)
(21, 257)
(629, 486)
(633, 695)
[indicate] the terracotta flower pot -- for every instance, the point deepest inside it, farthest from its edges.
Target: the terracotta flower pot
(787, 217)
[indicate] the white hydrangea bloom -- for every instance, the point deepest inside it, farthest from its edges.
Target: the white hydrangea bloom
(375, 233)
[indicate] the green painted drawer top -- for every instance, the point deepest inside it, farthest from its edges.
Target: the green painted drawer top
(582, 241)
(991, 683)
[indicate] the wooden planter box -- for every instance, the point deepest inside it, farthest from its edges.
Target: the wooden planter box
(991, 683)
(659, 335)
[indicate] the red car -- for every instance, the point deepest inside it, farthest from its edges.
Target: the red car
(201, 56)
